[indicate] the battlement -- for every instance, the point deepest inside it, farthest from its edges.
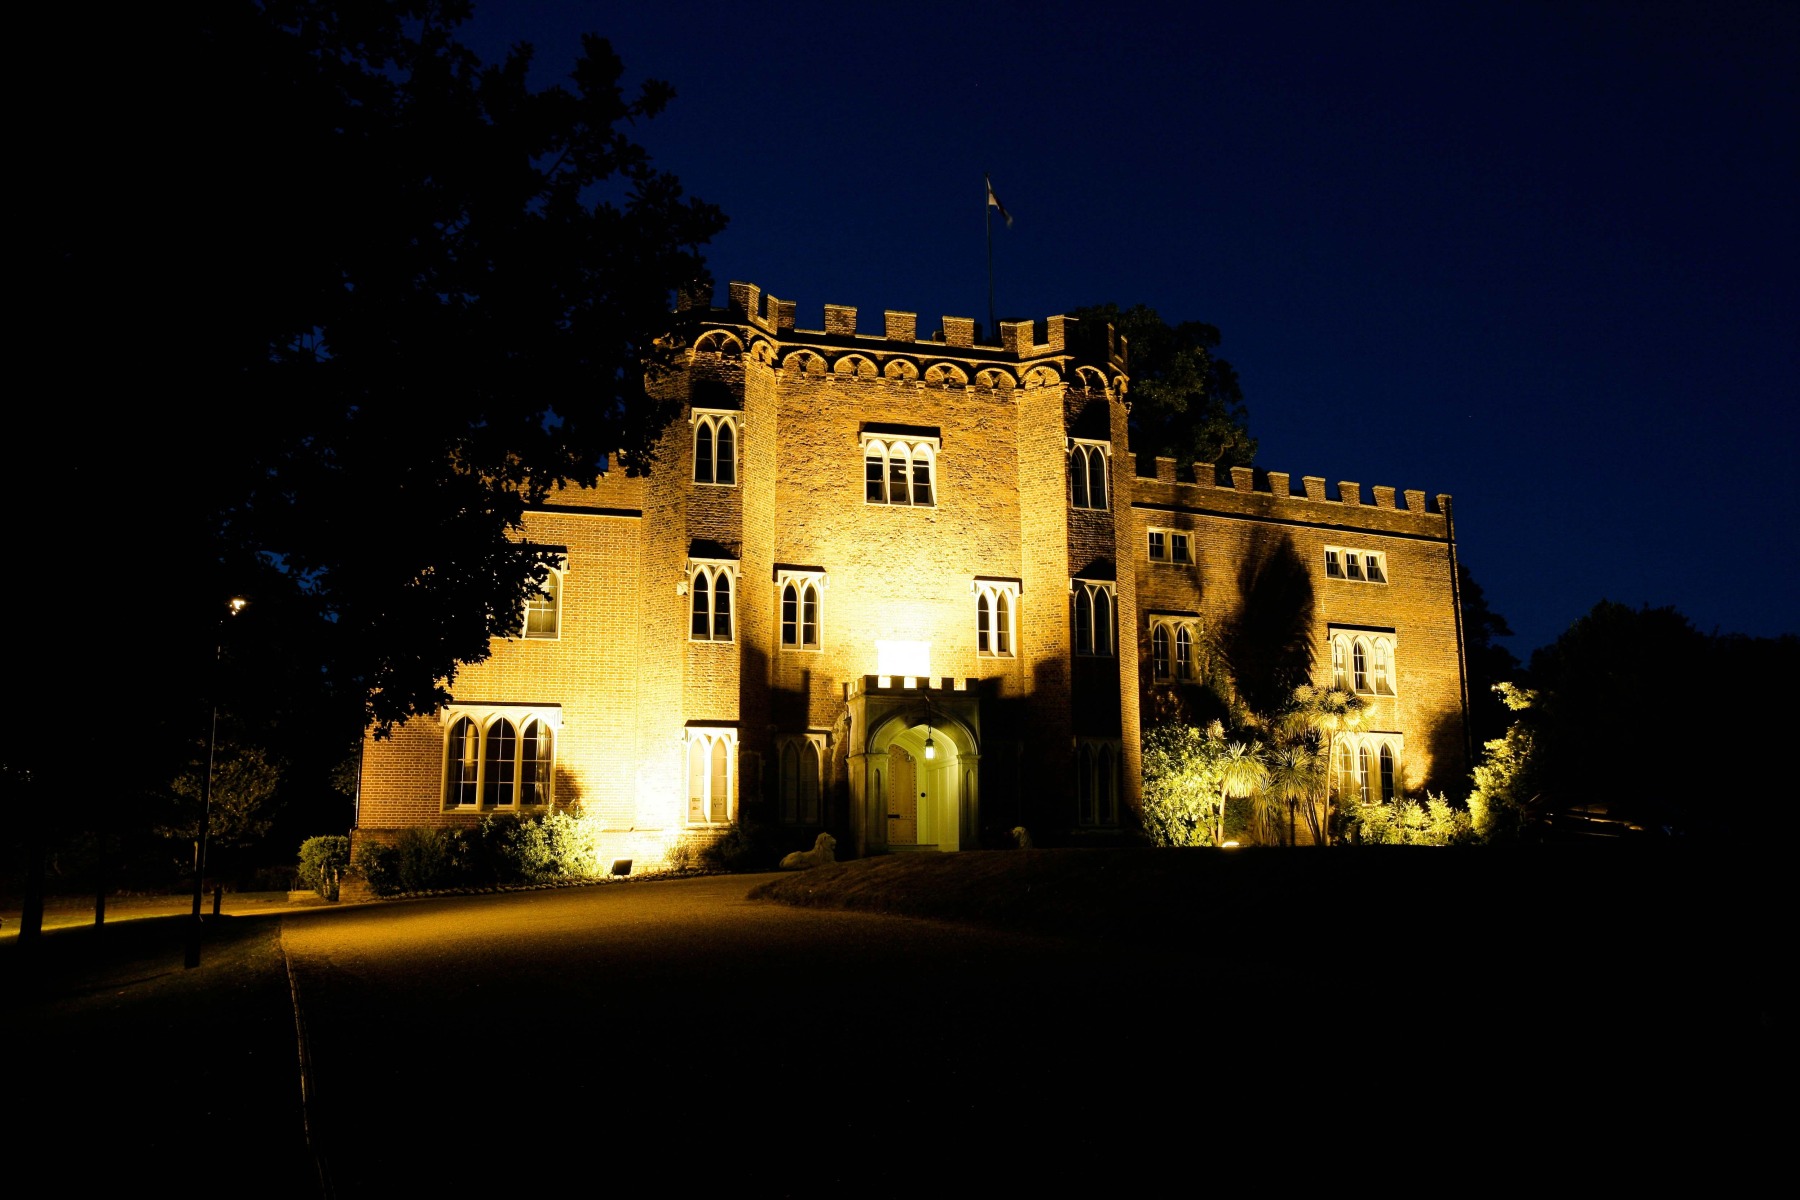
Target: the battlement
(1022, 340)
(1272, 493)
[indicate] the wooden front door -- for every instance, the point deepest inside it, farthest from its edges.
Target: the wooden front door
(903, 799)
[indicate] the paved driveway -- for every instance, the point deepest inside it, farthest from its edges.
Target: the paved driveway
(675, 1033)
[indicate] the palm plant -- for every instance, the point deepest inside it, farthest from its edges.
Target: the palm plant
(1242, 772)
(1293, 774)
(1324, 714)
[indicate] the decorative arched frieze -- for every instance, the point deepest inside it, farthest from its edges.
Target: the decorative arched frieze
(854, 366)
(1090, 379)
(946, 375)
(901, 370)
(1042, 377)
(721, 342)
(804, 362)
(997, 379)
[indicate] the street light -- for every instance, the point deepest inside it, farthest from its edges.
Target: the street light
(232, 608)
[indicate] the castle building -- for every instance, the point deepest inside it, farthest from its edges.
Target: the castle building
(917, 592)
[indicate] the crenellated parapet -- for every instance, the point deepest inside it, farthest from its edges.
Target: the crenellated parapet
(1056, 351)
(1249, 492)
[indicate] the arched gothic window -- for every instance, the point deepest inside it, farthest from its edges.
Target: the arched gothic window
(994, 606)
(899, 472)
(800, 780)
(800, 614)
(1159, 652)
(715, 447)
(1093, 618)
(709, 602)
(1087, 475)
(1184, 655)
(1387, 773)
(498, 761)
(711, 776)
(1096, 783)
(464, 772)
(499, 765)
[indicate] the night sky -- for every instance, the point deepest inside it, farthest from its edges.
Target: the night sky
(1540, 256)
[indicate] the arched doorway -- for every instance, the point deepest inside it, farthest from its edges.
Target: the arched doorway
(921, 797)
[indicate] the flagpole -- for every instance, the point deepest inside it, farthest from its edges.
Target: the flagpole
(987, 212)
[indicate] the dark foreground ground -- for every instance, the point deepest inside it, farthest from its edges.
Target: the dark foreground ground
(1127, 1022)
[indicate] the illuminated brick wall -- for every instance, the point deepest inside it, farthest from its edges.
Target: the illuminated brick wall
(1249, 532)
(631, 683)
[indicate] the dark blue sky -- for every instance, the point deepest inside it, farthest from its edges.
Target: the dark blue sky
(1540, 256)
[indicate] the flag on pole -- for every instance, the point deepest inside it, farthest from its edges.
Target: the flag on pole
(994, 202)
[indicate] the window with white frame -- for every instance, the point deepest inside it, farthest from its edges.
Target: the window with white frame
(996, 613)
(900, 470)
(799, 594)
(711, 775)
(1368, 767)
(1356, 566)
(1087, 472)
(1362, 661)
(1096, 782)
(499, 757)
(710, 587)
(715, 446)
(801, 760)
(1186, 669)
(543, 608)
(1171, 546)
(1093, 604)
(1172, 643)
(1381, 674)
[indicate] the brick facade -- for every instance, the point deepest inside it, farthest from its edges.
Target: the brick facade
(626, 692)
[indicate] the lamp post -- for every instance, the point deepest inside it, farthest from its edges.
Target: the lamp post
(232, 608)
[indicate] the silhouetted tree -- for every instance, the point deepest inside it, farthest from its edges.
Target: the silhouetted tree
(1489, 663)
(329, 302)
(1599, 735)
(1594, 742)
(1186, 401)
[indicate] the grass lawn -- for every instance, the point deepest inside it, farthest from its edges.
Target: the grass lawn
(1657, 944)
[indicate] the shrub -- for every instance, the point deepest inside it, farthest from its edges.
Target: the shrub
(375, 863)
(743, 847)
(1409, 823)
(418, 861)
(322, 862)
(494, 851)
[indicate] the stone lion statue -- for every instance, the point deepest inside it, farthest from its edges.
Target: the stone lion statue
(1022, 837)
(824, 851)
